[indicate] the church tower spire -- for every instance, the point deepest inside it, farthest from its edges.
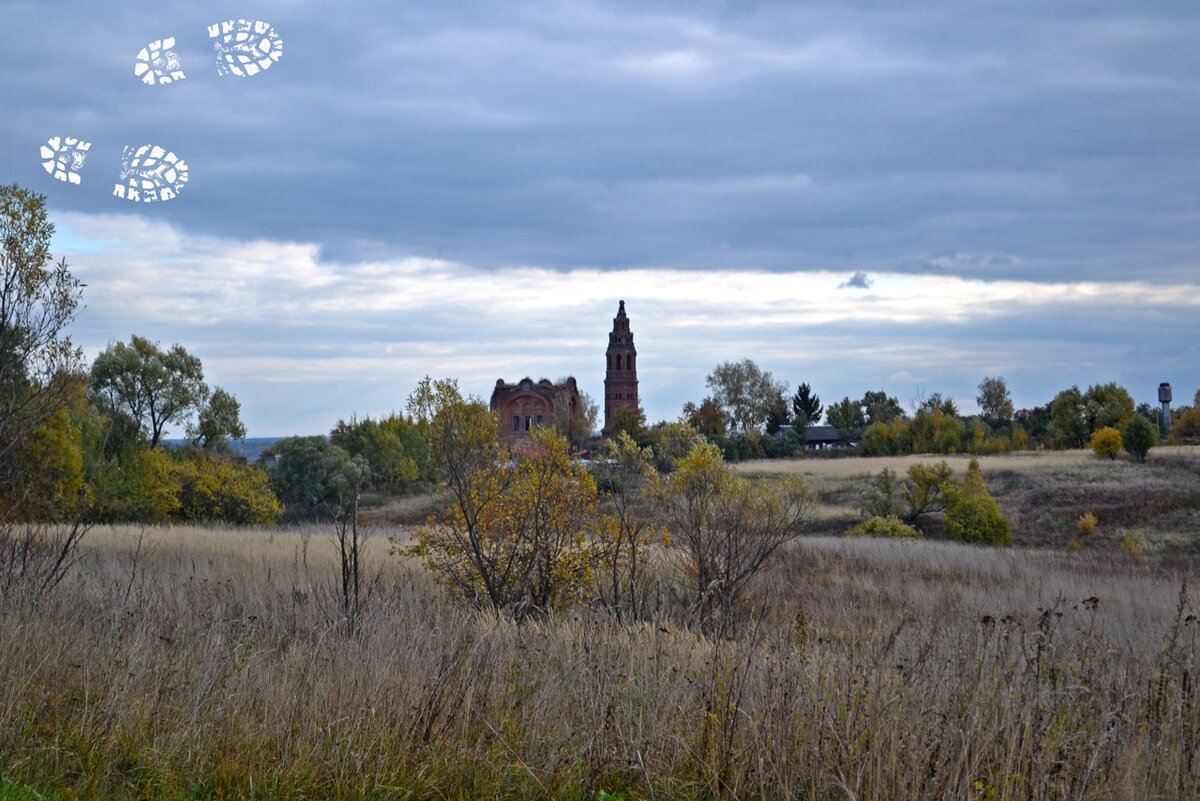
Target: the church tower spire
(620, 377)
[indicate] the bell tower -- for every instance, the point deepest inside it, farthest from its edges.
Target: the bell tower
(620, 377)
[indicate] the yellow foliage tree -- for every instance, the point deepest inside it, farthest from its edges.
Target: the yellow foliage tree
(1106, 442)
(516, 538)
(725, 528)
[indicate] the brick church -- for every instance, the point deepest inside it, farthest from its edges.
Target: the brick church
(527, 403)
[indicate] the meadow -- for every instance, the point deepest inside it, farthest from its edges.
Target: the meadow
(187, 663)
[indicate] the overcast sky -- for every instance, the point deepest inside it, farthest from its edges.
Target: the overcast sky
(860, 195)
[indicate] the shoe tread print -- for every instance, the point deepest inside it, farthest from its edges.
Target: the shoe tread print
(150, 174)
(63, 156)
(157, 63)
(245, 47)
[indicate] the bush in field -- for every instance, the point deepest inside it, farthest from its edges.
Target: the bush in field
(972, 514)
(1106, 442)
(216, 488)
(1186, 429)
(885, 527)
(882, 496)
(921, 492)
(1086, 524)
(515, 539)
(1139, 436)
(724, 528)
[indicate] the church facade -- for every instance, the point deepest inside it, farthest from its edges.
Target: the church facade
(525, 404)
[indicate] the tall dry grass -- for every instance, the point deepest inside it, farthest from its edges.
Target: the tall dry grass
(208, 663)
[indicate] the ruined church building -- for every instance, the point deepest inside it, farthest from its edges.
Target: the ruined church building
(527, 403)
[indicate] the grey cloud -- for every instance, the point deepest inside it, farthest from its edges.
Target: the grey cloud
(859, 280)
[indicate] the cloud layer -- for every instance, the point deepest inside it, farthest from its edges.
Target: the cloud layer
(467, 187)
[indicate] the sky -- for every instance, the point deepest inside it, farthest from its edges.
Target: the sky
(856, 194)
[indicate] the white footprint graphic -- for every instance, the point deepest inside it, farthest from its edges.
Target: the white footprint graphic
(63, 157)
(150, 174)
(245, 47)
(157, 63)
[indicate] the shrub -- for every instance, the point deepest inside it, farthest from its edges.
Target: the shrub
(1131, 544)
(882, 497)
(214, 488)
(1086, 523)
(892, 528)
(1072, 544)
(1186, 430)
(972, 514)
(1139, 436)
(1106, 442)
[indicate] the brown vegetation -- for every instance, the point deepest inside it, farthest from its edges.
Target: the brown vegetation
(198, 662)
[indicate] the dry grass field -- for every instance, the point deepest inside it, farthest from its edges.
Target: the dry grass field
(214, 664)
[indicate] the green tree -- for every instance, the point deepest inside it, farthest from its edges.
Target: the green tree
(630, 420)
(152, 386)
(881, 407)
(1139, 436)
(745, 392)
(421, 403)
(218, 422)
(847, 417)
(392, 447)
(305, 476)
(806, 406)
(995, 402)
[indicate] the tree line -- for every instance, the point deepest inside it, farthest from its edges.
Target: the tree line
(750, 414)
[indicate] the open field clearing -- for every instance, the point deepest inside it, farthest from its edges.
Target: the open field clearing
(210, 663)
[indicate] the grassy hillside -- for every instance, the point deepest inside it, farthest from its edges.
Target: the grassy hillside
(1043, 493)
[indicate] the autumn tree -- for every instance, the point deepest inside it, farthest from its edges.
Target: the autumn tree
(515, 540)
(1106, 442)
(707, 418)
(625, 531)
(38, 300)
(995, 402)
(745, 392)
(154, 387)
(725, 528)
